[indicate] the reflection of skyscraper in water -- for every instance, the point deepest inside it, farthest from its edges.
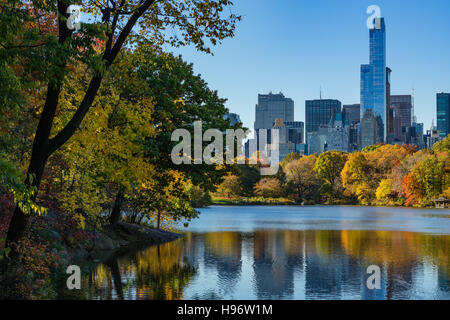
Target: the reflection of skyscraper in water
(223, 253)
(277, 254)
(327, 268)
(399, 279)
(192, 249)
(443, 280)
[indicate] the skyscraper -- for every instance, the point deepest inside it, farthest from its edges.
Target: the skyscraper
(291, 131)
(419, 135)
(443, 114)
(401, 110)
(368, 128)
(373, 83)
(389, 114)
(319, 112)
(290, 135)
(271, 107)
(353, 115)
(338, 133)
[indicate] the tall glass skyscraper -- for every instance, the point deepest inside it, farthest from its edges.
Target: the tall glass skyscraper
(443, 114)
(373, 86)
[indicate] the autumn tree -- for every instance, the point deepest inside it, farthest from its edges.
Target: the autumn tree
(301, 179)
(403, 168)
(384, 192)
(385, 157)
(115, 24)
(230, 187)
(106, 156)
(164, 198)
(328, 167)
(356, 177)
(290, 157)
(269, 188)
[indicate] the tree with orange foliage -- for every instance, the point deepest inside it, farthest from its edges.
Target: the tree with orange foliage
(412, 189)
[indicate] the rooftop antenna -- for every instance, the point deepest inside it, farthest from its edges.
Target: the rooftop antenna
(320, 92)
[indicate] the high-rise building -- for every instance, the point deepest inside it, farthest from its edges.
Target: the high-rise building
(295, 131)
(443, 114)
(319, 112)
(389, 113)
(420, 143)
(290, 135)
(290, 131)
(270, 107)
(368, 129)
(317, 140)
(353, 135)
(338, 133)
(432, 136)
(373, 83)
(286, 148)
(401, 110)
(352, 113)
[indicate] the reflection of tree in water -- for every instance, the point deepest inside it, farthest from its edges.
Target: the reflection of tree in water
(159, 272)
(326, 264)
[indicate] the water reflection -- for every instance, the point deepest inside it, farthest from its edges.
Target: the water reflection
(279, 264)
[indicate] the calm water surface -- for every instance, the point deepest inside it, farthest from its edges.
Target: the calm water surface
(273, 252)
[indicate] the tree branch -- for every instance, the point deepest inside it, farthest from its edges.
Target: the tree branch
(94, 85)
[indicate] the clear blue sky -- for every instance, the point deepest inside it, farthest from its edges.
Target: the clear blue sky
(296, 46)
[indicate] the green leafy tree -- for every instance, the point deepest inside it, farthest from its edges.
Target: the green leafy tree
(248, 175)
(328, 167)
(442, 146)
(97, 44)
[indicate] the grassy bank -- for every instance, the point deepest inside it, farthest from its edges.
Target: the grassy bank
(242, 201)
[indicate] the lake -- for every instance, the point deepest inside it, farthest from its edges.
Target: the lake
(288, 252)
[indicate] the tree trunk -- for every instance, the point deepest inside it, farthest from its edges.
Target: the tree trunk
(43, 147)
(133, 218)
(39, 156)
(41, 144)
(115, 214)
(115, 272)
(159, 219)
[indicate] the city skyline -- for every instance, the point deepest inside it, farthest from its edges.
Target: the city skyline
(327, 60)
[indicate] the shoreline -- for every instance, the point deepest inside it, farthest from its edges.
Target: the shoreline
(247, 202)
(112, 240)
